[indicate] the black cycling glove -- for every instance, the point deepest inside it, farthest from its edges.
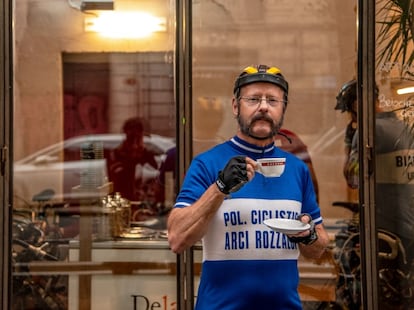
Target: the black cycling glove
(313, 236)
(233, 176)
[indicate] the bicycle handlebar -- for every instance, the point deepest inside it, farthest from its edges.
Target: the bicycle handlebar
(36, 250)
(352, 206)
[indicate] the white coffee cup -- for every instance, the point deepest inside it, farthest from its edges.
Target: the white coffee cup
(271, 167)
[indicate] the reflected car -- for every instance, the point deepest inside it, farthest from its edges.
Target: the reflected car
(59, 170)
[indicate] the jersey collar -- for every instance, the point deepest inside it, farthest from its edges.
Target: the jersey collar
(242, 144)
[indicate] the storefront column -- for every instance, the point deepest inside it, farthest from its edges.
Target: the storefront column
(185, 280)
(366, 115)
(5, 149)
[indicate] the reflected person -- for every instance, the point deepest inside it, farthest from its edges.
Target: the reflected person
(394, 204)
(123, 160)
(346, 101)
(394, 150)
(290, 142)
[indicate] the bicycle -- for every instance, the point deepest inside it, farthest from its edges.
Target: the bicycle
(34, 238)
(395, 278)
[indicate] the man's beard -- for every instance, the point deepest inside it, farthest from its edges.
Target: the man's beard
(246, 127)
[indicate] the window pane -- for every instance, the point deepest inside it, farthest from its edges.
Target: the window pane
(94, 118)
(314, 45)
(394, 150)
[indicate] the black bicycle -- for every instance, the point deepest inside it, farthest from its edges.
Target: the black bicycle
(394, 271)
(37, 239)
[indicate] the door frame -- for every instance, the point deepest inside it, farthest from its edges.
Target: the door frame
(6, 158)
(366, 132)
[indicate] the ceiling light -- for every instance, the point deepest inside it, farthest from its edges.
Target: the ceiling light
(405, 90)
(125, 24)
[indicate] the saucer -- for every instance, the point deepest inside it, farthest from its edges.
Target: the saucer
(286, 226)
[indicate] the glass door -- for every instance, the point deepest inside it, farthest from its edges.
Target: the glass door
(94, 122)
(394, 151)
(315, 46)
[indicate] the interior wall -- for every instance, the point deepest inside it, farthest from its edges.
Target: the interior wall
(45, 30)
(314, 43)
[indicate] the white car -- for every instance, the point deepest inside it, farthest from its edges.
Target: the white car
(59, 169)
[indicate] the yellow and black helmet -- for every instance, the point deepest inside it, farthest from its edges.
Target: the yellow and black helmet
(261, 73)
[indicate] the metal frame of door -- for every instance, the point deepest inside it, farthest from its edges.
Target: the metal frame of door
(6, 110)
(183, 58)
(366, 116)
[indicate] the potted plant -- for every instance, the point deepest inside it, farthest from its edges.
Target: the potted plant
(395, 36)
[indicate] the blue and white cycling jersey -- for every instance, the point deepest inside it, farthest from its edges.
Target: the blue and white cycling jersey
(245, 264)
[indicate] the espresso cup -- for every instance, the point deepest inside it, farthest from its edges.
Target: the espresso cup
(271, 167)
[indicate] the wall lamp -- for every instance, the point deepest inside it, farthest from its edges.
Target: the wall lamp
(125, 24)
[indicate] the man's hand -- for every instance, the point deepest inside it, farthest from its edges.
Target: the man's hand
(233, 176)
(306, 237)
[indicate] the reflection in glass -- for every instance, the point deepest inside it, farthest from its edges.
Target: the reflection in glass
(317, 52)
(76, 89)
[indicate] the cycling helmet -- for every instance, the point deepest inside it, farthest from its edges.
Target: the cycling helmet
(346, 97)
(261, 73)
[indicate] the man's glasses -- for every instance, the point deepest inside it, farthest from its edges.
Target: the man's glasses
(256, 101)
